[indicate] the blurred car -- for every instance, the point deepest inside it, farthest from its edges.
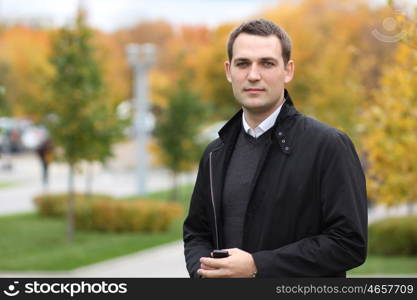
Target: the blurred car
(17, 135)
(10, 135)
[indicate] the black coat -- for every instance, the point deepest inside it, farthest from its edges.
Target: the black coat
(307, 214)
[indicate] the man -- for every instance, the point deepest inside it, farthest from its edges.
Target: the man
(284, 194)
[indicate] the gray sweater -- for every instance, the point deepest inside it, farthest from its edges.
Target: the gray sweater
(239, 176)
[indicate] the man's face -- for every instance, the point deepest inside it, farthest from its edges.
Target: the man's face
(257, 72)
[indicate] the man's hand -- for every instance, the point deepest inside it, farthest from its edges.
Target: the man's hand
(239, 264)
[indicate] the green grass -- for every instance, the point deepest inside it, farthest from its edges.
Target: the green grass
(184, 195)
(31, 242)
(378, 265)
(6, 184)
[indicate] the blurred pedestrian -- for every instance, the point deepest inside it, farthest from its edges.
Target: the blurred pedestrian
(45, 153)
(6, 150)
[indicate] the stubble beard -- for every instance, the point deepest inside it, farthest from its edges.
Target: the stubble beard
(260, 109)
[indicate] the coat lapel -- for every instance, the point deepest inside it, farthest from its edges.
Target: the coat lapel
(220, 162)
(222, 155)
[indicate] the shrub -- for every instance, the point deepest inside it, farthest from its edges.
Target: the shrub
(104, 213)
(56, 204)
(394, 236)
(122, 215)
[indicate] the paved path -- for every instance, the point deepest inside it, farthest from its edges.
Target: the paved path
(162, 261)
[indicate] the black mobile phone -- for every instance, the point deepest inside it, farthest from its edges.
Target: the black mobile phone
(220, 253)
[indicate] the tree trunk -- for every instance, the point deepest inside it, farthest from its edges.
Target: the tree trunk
(89, 180)
(70, 204)
(410, 208)
(174, 190)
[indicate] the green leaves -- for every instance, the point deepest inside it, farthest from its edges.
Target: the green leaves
(85, 124)
(177, 127)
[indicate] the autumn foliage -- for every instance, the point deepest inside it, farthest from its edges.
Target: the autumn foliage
(390, 132)
(345, 76)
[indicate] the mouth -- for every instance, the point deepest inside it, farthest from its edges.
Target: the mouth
(253, 90)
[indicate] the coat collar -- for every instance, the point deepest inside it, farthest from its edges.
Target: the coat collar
(230, 130)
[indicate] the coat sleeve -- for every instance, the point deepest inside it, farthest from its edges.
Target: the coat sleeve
(342, 244)
(197, 233)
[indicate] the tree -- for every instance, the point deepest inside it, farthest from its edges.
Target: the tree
(4, 107)
(210, 74)
(176, 131)
(389, 133)
(338, 60)
(116, 74)
(25, 69)
(81, 121)
(389, 124)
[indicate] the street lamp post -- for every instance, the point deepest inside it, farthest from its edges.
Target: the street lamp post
(141, 57)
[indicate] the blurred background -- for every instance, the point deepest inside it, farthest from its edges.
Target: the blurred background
(106, 107)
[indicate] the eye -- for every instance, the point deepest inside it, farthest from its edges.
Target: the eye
(241, 64)
(268, 63)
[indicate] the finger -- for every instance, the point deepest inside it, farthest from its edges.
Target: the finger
(231, 250)
(213, 262)
(218, 273)
(205, 267)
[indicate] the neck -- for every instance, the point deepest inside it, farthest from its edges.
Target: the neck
(254, 118)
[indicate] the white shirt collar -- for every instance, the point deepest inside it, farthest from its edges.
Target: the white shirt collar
(263, 126)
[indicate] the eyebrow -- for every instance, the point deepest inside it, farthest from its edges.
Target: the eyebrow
(243, 59)
(269, 59)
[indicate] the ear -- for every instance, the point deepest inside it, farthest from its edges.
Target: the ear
(227, 70)
(289, 71)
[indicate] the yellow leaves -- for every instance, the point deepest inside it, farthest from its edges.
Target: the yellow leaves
(390, 138)
(25, 51)
(335, 60)
(157, 155)
(160, 82)
(111, 56)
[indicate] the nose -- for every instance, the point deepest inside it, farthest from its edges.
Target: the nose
(254, 74)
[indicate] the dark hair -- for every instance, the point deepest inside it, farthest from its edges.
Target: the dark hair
(261, 27)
